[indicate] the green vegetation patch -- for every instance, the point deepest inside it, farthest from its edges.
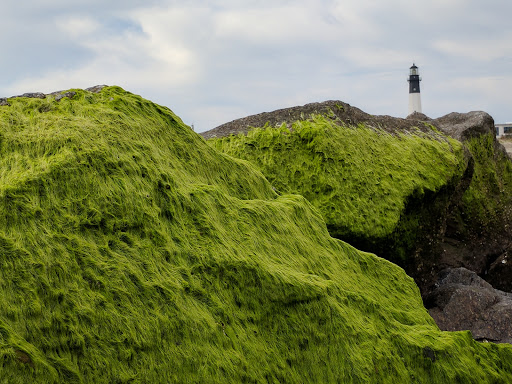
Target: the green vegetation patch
(359, 178)
(488, 200)
(132, 252)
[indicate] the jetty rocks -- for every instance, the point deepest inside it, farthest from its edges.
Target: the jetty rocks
(427, 194)
(132, 250)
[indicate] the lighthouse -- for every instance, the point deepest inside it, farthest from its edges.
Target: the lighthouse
(414, 90)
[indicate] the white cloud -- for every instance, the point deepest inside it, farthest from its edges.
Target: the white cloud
(215, 61)
(77, 27)
(129, 58)
(276, 25)
(479, 50)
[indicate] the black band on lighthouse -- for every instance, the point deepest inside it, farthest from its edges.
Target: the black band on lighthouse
(414, 84)
(414, 79)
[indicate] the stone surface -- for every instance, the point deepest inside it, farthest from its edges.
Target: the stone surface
(33, 95)
(60, 95)
(3, 101)
(463, 126)
(464, 301)
(96, 88)
(418, 116)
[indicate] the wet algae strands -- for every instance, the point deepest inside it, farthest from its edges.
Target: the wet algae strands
(133, 252)
(359, 177)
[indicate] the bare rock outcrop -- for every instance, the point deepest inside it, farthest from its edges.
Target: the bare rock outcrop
(464, 126)
(33, 95)
(464, 301)
(96, 88)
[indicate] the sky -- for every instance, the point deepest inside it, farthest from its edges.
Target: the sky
(211, 62)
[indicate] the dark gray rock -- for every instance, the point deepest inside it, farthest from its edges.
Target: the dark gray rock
(464, 301)
(33, 95)
(460, 126)
(96, 88)
(463, 126)
(59, 95)
(69, 95)
(418, 116)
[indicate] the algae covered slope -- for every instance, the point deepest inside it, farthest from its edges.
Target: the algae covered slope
(478, 227)
(368, 183)
(489, 197)
(132, 252)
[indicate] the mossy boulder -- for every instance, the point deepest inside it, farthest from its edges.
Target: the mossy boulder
(133, 252)
(426, 194)
(384, 190)
(480, 222)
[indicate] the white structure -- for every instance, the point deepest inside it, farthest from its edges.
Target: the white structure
(414, 90)
(503, 129)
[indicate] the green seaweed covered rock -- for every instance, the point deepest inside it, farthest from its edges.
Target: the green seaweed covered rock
(381, 190)
(480, 223)
(359, 178)
(133, 252)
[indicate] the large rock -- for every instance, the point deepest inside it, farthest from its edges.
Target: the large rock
(463, 222)
(463, 126)
(132, 251)
(464, 301)
(477, 234)
(335, 109)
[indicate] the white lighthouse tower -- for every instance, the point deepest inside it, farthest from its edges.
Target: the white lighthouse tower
(414, 90)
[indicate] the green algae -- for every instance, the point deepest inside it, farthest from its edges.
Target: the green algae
(361, 179)
(133, 252)
(486, 203)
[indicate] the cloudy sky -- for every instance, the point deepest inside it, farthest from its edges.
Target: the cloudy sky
(215, 61)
